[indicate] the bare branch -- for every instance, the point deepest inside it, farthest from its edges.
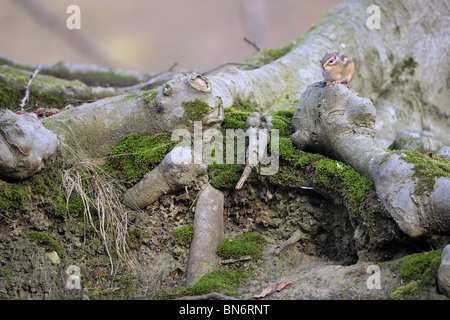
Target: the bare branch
(242, 64)
(27, 88)
(252, 43)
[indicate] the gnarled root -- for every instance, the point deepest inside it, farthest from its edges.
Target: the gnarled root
(208, 231)
(174, 172)
(26, 146)
(335, 121)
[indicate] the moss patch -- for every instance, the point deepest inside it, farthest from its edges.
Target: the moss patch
(251, 244)
(426, 169)
(184, 234)
(195, 110)
(225, 175)
(403, 70)
(222, 280)
(41, 190)
(418, 272)
(136, 155)
(46, 241)
(335, 176)
(235, 118)
(9, 97)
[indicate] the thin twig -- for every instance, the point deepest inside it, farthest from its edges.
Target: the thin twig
(242, 64)
(252, 43)
(208, 296)
(159, 77)
(27, 87)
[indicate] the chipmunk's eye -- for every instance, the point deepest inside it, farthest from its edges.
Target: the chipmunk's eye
(331, 60)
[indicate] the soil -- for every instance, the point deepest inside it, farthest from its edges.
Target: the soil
(322, 264)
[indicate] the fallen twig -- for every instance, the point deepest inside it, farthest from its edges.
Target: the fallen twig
(230, 261)
(27, 88)
(208, 296)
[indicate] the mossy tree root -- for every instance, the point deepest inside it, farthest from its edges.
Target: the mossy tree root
(333, 120)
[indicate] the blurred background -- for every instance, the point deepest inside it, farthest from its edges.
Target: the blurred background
(152, 35)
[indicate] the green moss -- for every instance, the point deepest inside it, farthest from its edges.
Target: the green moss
(245, 244)
(269, 55)
(184, 234)
(136, 155)
(426, 169)
(408, 291)
(9, 97)
(222, 280)
(293, 156)
(5, 271)
(235, 118)
(46, 241)
(41, 190)
(418, 273)
(405, 68)
(419, 266)
(282, 120)
(243, 106)
(335, 176)
(100, 286)
(292, 159)
(225, 175)
(13, 197)
(195, 110)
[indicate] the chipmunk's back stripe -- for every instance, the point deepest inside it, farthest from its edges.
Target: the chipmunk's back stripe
(344, 58)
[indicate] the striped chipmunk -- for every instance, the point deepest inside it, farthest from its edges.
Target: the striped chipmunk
(337, 67)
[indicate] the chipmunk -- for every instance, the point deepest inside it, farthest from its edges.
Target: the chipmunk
(337, 67)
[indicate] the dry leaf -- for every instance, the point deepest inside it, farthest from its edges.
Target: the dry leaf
(40, 112)
(283, 285)
(51, 111)
(263, 293)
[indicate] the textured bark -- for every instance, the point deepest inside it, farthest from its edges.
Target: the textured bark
(335, 121)
(208, 231)
(173, 173)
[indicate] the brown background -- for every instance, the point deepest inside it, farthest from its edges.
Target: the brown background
(151, 35)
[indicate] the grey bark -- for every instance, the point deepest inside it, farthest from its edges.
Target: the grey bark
(208, 231)
(335, 121)
(26, 146)
(443, 278)
(175, 172)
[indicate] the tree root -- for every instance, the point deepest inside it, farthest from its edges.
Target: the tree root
(333, 120)
(288, 243)
(208, 232)
(175, 172)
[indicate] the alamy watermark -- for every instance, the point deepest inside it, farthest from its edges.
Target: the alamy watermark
(74, 278)
(207, 147)
(374, 280)
(74, 20)
(374, 21)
